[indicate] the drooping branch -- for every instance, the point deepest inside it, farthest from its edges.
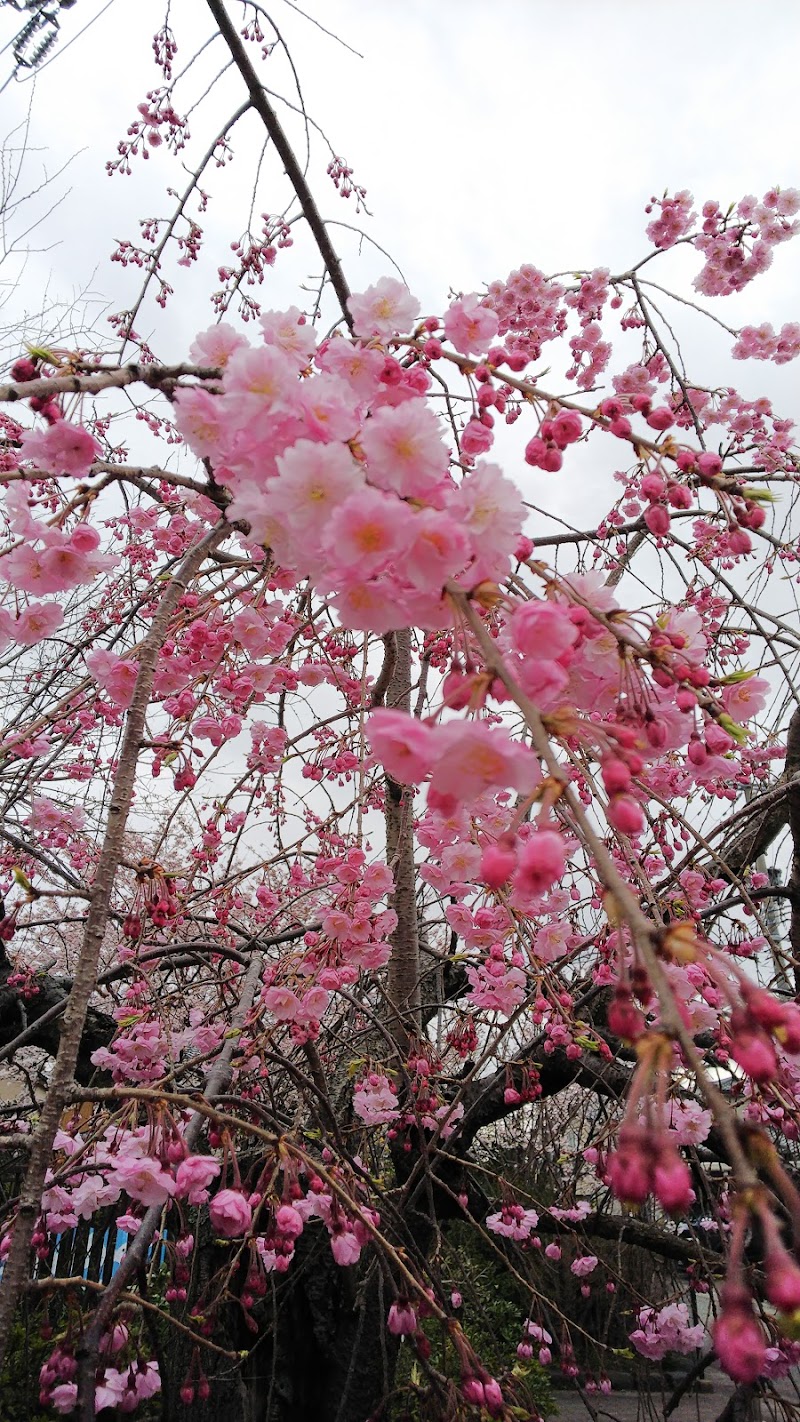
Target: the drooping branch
(793, 803)
(294, 172)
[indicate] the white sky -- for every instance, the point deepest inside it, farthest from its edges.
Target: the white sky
(486, 135)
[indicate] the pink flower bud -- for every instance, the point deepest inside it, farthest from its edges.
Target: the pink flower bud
(657, 519)
(624, 1018)
(672, 1182)
(616, 775)
(738, 1339)
(472, 1390)
(493, 1397)
(625, 815)
(402, 1318)
(782, 1280)
(497, 865)
(661, 418)
(629, 1168)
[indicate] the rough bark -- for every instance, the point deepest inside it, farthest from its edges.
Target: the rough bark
(37, 1021)
(403, 978)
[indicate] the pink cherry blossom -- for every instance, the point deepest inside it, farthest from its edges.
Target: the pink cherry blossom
(404, 449)
(230, 1213)
(194, 1175)
(368, 531)
(471, 756)
(143, 1179)
(470, 325)
(63, 448)
(293, 336)
(404, 745)
(383, 309)
(36, 622)
(117, 675)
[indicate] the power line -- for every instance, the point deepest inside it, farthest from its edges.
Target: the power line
(33, 43)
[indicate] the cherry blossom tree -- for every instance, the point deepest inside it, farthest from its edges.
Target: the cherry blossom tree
(369, 828)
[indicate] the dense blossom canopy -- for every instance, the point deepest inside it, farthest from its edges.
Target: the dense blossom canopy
(362, 822)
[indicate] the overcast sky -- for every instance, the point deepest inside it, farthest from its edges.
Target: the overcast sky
(486, 135)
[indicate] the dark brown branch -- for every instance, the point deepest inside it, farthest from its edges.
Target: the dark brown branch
(294, 172)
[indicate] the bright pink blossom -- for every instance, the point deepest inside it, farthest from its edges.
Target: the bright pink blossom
(231, 1213)
(404, 745)
(194, 1175)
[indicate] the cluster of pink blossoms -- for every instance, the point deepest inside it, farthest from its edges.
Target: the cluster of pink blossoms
(666, 1330)
(737, 245)
(739, 248)
(335, 459)
(122, 1389)
(762, 343)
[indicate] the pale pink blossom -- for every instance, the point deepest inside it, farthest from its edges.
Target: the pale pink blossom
(383, 309)
(513, 1222)
(375, 1100)
(62, 448)
(116, 675)
(470, 325)
(372, 606)
(262, 375)
(215, 346)
(313, 481)
(404, 449)
(746, 698)
(542, 629)
(345, 1247)
(405, 746)
(64, 1397)
(439, 549)
(368, 531)
(143, 1179)
(328, 408)
(201, 418)
(291, 334)
(491, 509)
(282, 1003)
(471, 756)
